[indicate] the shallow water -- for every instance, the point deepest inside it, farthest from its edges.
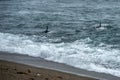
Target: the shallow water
(73, 39)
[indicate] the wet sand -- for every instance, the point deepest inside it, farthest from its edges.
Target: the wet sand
(23, 67)
(15, 71)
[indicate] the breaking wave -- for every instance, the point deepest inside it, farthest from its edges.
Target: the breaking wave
(78, 53)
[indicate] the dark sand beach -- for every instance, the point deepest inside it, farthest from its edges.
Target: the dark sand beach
(23, 67)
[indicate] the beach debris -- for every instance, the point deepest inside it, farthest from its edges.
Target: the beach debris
(29, 71)
(15, 69)
(5, 69)
(60, 77)
(46, 79)
(38, 75)
(32, 79)
(22, 73)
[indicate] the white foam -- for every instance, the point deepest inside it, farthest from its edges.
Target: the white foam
(77, 54)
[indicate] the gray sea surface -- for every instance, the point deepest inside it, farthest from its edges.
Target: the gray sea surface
(75, 34)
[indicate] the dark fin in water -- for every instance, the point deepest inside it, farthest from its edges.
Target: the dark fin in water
(46, 31)
(100, 25)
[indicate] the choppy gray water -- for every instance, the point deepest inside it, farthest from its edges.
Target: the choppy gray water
(73, 39)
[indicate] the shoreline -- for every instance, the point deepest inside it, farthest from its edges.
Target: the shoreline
(17, 71)
(38, 64)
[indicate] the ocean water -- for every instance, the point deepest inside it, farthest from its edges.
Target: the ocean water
(73, 37)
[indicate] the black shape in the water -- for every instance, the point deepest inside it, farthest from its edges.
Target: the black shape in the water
(100, 25)
(46, 31)
(77, 31)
